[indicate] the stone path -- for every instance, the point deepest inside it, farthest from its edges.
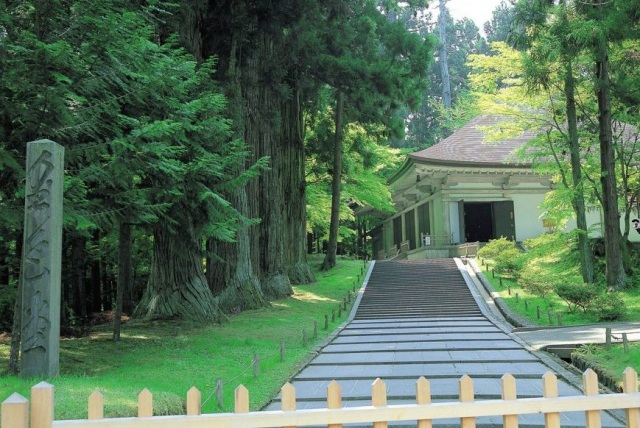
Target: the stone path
(420, 318)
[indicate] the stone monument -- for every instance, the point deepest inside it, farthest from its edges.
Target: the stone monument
(41, 259)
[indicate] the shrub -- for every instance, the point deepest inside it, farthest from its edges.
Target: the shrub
(608, 307)
(509, 261)
(495, 247)
(536, 282)
(576, 294)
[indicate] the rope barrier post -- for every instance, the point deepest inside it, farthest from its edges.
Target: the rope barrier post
(304, 338)
(500, 279)
(559, 317)
(625, 343)
(283, 351)
(607, 336)
(256, 366)
(549, 315)
(220, 394)
(333, 315)
(339, 311)
(509, 289)
(315, 329)
(538, 311)
(517, 298)
(526, 304)
(326, 322)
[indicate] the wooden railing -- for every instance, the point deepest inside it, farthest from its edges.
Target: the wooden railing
(16, 412)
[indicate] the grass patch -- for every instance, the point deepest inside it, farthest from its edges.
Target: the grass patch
(552, 256)
(168, 358)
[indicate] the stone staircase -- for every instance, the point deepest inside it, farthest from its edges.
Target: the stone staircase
(419, 318)
(416, 288)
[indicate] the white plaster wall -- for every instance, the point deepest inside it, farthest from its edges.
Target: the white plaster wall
(527, 216)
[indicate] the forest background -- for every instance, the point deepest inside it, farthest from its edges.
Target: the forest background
(209, 146)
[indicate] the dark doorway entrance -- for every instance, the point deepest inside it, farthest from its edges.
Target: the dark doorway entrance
(483, 221)
(478, 221)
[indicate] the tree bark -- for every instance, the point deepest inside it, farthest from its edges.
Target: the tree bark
(615, 274)
(586, 257)
(16, 328)
(125, 275)
(298, 270)
(177, 286)
(444, 60)
(332, 246)
(264, 135)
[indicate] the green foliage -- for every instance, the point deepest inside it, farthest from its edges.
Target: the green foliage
(508, 261)
(609, 307)
(496, 246)
(577, 294)
(537, 281)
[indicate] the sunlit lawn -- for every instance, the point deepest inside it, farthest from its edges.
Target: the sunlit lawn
(168, 358)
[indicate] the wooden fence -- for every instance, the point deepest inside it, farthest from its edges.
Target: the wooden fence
(16, 412)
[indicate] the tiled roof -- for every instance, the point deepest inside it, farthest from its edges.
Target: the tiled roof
(467, 146)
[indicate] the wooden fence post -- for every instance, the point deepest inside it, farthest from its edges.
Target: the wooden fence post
(590, 387)
(550, 390)
(256, 366)
(194, 402)
(607, 336)
(41, 414)
(145, 404)
(509, 393)
(423, 396)
(334, 399)
(15, 412)
(379, 399)
(220, 393)
(559, 317)
(288, 399)
(241, 395)
(466, 396)
(538, 311)
(95, 407)
(630, 386)
(326, 322)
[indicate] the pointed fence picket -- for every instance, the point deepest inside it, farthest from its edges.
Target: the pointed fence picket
(18, 412)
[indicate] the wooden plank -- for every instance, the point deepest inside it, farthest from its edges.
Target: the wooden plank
(423, 396)
(41, 405)
(550, 390)
(630, 386)
(288, 400)
(241, 399)
(145, 404)
(590, 385)
(467, 395)
(366, 414)
(95, 408)
(15, 412)
(334, 399)
(194, 402)
(509, 393)
(379, 399)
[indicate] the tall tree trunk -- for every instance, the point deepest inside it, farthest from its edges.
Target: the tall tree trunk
(177, 286)
(616, 277)
(125, 274)
(16, 328)
(78, 256)
(298, 270)
(586, 258)
(332, 246)
(444, 56)
(264, 135)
